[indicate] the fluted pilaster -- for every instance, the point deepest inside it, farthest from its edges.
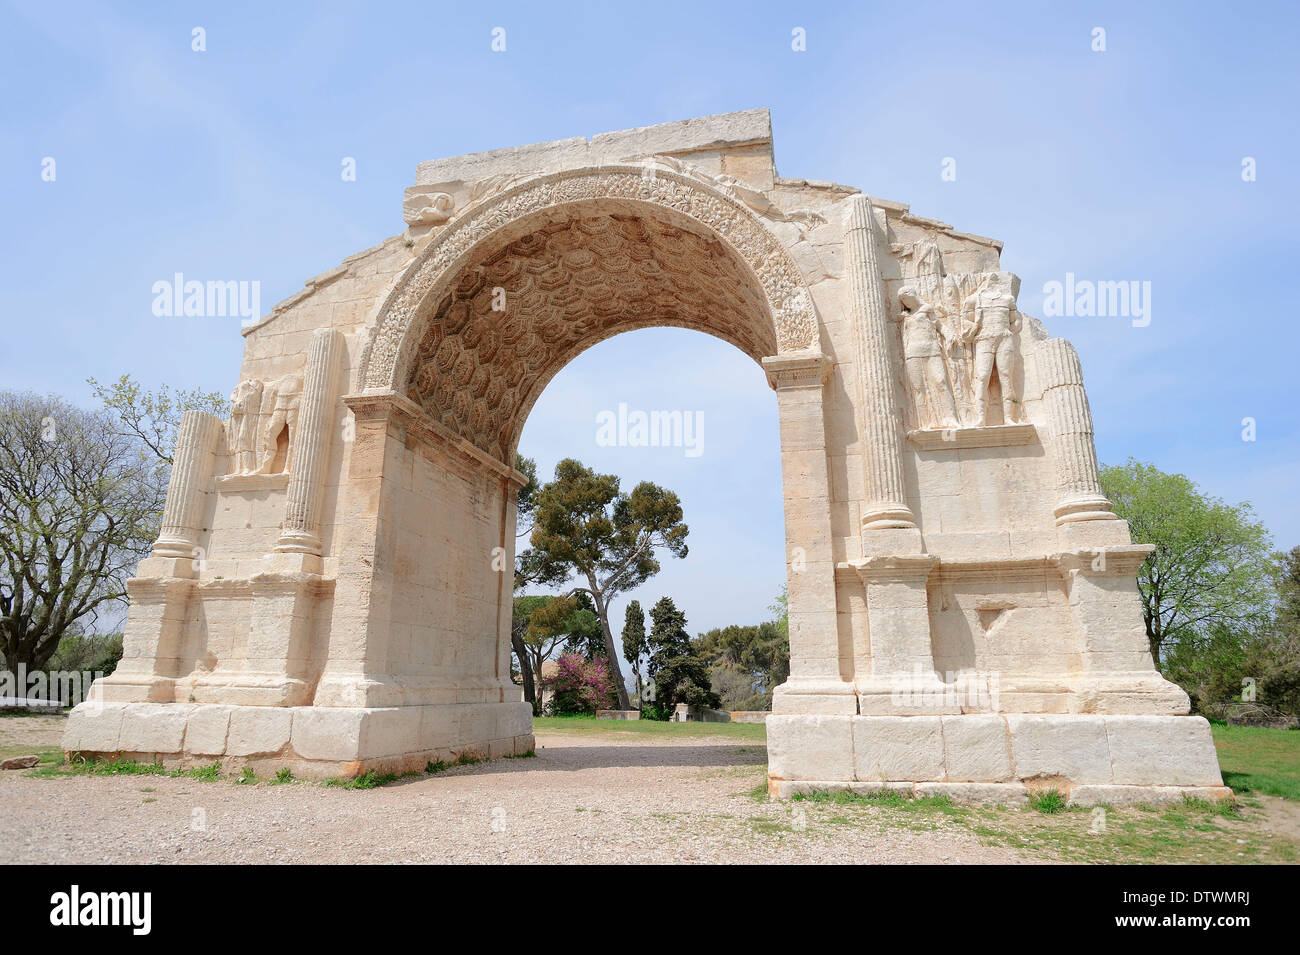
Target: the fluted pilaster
(192, 466)
(1081, 498)
(879, 415)
(310, 444)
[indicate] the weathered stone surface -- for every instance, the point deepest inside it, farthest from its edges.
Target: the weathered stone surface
(153, 727)
(327, 585)
(896, 748)
(1122, 796)
(328, 733)
(94, 729)
(1073, 748)
(977, 794)
(258, 730)
(207, 729)
(976, 748)
(1162, 751)
(810, 747)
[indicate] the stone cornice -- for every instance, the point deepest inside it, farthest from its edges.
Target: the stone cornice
(386, 405)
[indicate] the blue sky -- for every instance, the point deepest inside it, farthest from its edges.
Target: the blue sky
(1115, 165)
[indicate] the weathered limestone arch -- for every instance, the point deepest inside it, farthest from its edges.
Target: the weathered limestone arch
(631, 190)
(331, 589)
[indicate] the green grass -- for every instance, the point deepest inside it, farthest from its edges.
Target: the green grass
(1259, 760)
(369, 780)
(748, 732)
(888, 799)
(1047, 801)
(125, 767)
(1193, 831)
(50, 755)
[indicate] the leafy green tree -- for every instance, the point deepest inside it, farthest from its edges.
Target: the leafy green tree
(780, 609)
(79, 507)
(524, 502)
(1212, 572)
(521, 614)
(746, 663)
(526, 498)
(675, 672)
(635, 646)
(585, 527)
(154, 417)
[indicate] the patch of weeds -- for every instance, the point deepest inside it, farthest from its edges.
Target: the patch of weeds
(119, 767)
(833, 796)
(759, 793)
(530, 754)
(247, 777)
(1223, 808)
(431, 768)
(886, 798)
(1047, 801)
(150, 799)
(282, 776)
(467, 758)
(369, 780)
(208, 774)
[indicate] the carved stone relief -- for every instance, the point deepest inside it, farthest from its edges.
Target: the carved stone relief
(261, 413)
(421, 209)
(734, 188)
(960, 337)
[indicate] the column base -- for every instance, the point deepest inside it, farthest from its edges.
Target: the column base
(975, 757)
(313, 742)
(906, 694)
(811, 696)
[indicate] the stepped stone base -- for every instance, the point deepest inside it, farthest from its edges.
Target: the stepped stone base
(998, 758)
(314, 742)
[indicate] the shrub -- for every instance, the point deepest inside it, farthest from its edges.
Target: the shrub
(580, 686)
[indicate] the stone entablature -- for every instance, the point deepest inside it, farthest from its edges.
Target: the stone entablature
(331, 587)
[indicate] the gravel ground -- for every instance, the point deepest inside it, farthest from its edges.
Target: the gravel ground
(582, 799)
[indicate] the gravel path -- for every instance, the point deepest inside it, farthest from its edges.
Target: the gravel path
(603, 798)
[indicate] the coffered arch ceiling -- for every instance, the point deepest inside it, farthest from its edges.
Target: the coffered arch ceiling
(512, 318)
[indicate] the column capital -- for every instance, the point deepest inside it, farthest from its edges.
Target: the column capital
(802, 369)
(895, 568)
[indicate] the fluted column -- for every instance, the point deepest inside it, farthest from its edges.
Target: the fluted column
(879, 415)
(1077, 483)
(300, 532)
(192, 466)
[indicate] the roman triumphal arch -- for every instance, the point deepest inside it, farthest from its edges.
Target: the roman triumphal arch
(331, 589)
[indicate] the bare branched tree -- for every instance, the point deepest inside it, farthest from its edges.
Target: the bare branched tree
(79, 506)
